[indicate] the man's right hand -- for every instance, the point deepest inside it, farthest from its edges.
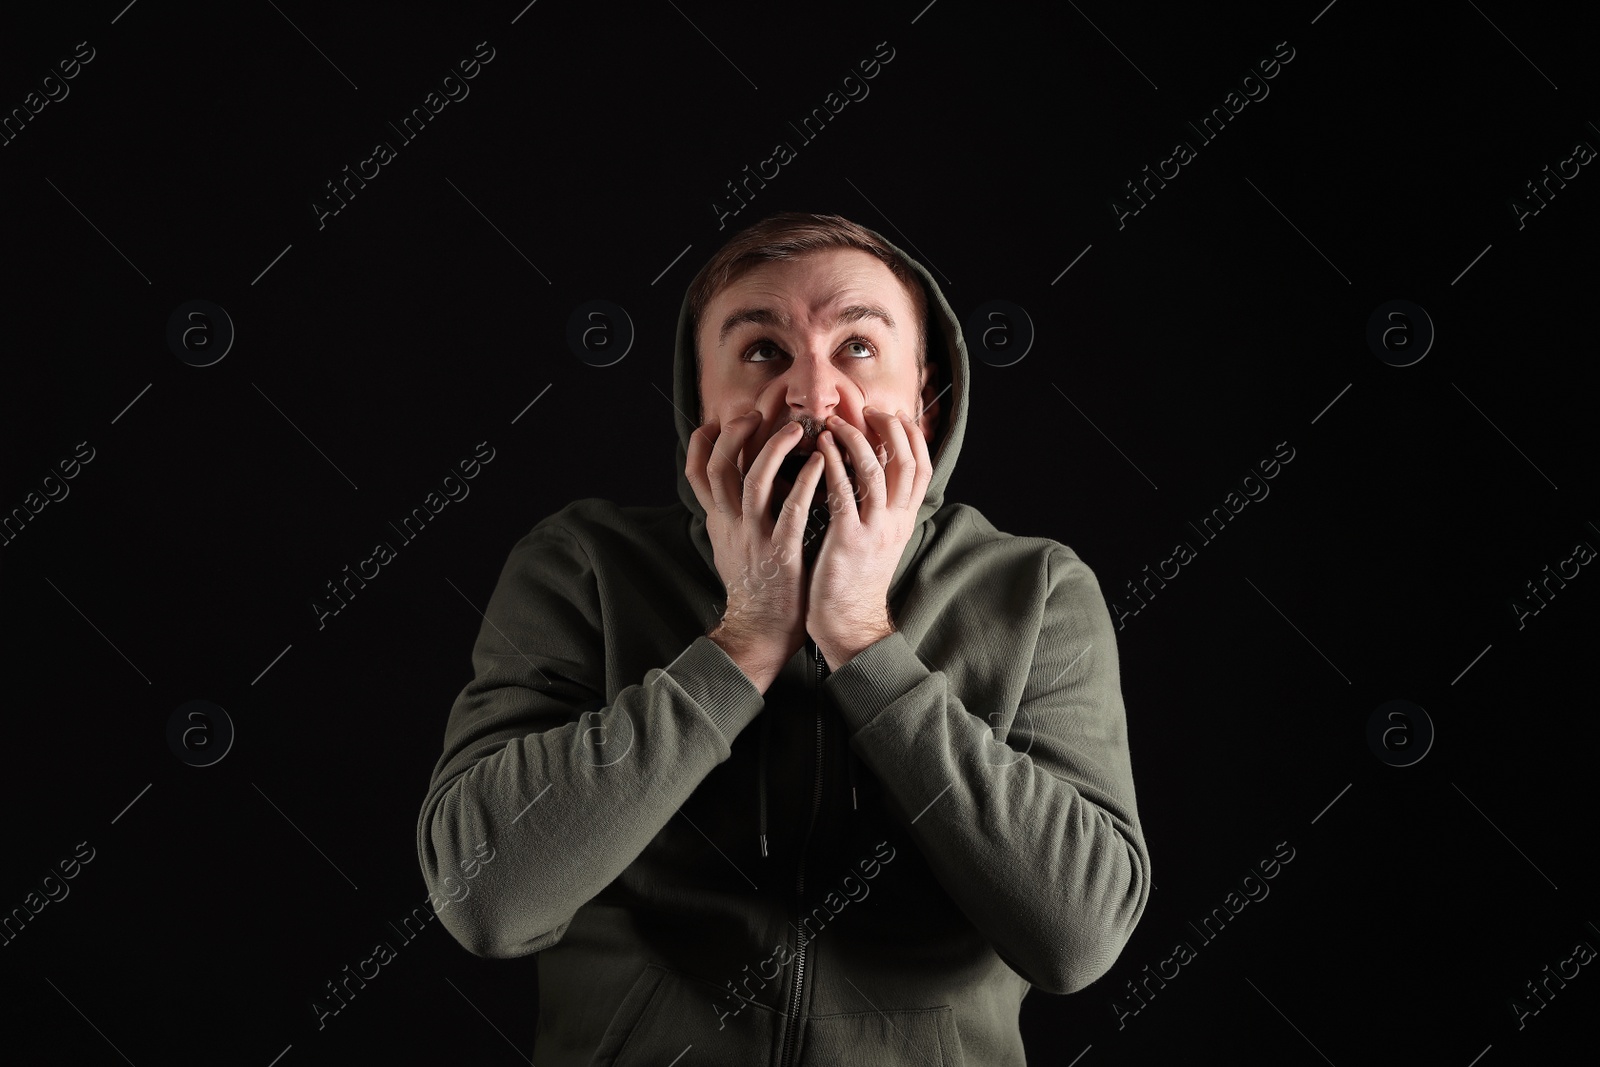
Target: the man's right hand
(758, 557)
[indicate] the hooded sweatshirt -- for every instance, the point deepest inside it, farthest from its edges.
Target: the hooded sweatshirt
(870, 865)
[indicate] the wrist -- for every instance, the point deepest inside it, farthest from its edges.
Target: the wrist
(841, 650)
(760, 659)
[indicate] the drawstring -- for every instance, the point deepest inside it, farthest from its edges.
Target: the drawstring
(761, 777)
(761, 780)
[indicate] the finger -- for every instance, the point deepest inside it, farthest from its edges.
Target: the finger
(727, 480)
(759, 481)
(869, 472)
(901, 463)
(841, 494)
(791, 522)
(919, 445)
(700, 445)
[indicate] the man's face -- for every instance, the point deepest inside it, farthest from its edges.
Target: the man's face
(828, 333)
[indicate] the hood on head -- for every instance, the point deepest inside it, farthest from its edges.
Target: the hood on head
(945, 347)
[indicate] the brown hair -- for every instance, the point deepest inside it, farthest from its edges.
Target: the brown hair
(787, 235)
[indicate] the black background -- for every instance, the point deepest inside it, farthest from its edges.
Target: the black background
(1178, 351)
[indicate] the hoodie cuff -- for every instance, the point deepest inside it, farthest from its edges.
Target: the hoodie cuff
(717, 685)
(880, 674)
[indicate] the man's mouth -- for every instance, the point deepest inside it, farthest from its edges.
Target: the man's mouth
(789, 469)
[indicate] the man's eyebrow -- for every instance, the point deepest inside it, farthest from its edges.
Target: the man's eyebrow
(759, 316)
(768, 317)
(857, 312)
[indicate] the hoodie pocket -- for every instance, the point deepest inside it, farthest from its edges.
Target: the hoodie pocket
(665, 1014)
(884, 1039)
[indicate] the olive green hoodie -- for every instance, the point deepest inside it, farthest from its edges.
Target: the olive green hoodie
(872, 865)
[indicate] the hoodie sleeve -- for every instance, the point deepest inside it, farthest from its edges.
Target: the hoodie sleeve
(1036, 838)
(544, 793)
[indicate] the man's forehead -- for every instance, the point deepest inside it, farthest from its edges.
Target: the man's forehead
(810, 286)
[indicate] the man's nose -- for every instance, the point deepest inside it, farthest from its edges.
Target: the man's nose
(813, 388)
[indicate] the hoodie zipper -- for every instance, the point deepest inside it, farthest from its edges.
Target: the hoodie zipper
(800, 880)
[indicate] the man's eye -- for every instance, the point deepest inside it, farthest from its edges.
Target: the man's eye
(856, 348)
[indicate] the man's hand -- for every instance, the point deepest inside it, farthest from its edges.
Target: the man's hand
(758, 558)
(847, 604)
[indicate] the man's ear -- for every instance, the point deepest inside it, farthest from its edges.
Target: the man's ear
(929, 398)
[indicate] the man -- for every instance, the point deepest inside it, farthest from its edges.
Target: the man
(935, 811)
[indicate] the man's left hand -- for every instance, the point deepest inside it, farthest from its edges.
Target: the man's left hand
(847, 604)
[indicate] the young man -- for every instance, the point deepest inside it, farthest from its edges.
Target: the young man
(813, 767)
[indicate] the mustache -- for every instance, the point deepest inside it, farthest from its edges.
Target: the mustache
(810, 428)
